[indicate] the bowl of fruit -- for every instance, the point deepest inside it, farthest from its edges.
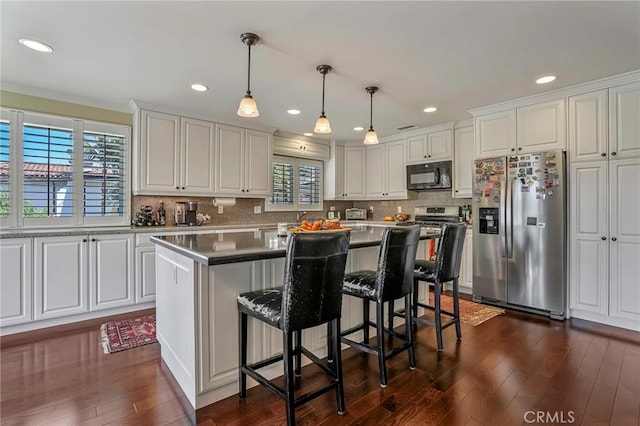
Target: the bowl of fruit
(320, 225)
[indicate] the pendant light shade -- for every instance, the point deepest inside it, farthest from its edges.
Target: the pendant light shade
(322, 124)
(371, 138)
(248, 106)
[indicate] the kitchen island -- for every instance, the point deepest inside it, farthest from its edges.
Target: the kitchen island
(198, 277)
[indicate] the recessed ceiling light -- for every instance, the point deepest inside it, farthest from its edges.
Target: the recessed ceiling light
(308, 134)
(358, 129)
(198, 87)
(293, 111)
(430, 109)
(546, 79)
(36, 45)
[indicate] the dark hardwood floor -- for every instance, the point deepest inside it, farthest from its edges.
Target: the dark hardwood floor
(512, 366)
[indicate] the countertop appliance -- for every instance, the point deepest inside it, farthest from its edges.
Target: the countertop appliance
(422, 177)
(519, 232)
(355, 214)
(186, 213)
(432, 218)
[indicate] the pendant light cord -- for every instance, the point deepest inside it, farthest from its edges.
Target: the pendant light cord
(323, 76)
(371, 114)
(249, 74)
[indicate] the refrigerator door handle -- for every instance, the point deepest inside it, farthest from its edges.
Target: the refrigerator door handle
(509, 217)
(502, 220)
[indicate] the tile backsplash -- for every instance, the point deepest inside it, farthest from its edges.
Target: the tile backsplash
(419, 199)
(241, 213)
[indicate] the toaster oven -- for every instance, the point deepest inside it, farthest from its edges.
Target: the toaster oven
(355, 214)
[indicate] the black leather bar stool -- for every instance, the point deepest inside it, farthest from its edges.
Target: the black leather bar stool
(445, 268)
(311, 295)
(392, 280)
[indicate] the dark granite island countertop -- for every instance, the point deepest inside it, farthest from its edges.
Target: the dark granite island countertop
(231, 247)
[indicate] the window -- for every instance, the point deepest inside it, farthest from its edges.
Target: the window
(297, 185)
(69, 172)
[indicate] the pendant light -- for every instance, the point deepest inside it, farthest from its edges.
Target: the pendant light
(322, 124)
(371, 138)
(248, 106)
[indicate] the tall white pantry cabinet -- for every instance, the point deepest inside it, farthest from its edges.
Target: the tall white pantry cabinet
(604, 150)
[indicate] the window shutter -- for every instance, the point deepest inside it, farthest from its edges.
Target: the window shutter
(5, 196)
(310, 185)
(283, 184)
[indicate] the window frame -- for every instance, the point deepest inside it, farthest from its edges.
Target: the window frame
(297, 162)
(16, 219)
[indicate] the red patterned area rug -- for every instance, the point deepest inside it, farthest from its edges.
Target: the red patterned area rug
(129, 333)
(471, 313)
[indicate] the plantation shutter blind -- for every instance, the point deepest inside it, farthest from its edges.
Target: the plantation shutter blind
(297, 184)
(5, 194)
(283, 184)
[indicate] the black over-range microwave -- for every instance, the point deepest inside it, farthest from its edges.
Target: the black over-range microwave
(422, 177)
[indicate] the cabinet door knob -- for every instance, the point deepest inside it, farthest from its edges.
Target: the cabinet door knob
(84, 240)
(614, 239)
(604, 154)
(456, 190)
(425, 156)
(429, 156)
(177, 187)
(513, 149)
(613, 153)
(520, 149)
(183, 187)
(604, 238)
(93, 239)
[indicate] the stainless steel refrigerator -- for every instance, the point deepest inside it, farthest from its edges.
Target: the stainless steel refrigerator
(519, 232)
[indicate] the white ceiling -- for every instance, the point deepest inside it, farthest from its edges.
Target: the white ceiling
(454, 55)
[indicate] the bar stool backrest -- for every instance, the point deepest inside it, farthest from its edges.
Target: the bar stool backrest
(314, 272)
(449, 254)
(394, 276)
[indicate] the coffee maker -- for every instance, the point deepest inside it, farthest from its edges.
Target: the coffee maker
(186, 213)
(191, 213)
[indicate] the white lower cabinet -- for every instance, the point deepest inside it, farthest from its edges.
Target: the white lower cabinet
(145, 274)
(16, 281)
(76, 274)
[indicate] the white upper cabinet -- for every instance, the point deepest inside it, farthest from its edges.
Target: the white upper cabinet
(495, 134)
(542, 127)
(174, 155)
(463, 162)
(436, 146)
(588, 126)
(624, 126)
(386, 171)
(301, 148)
(243, 166)
(334, 174)
(355, 166)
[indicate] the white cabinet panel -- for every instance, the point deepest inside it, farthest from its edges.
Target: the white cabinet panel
(376, 165)
(439, 145)
(334, 174)
(589, 245)
(495, 134)
(625, 270)
(145, 274)
(624, 125)
(258, 155)
(61, 272)
(588, 127)
(463, 162)
(159, 149)
(16, 283)
(355, 172)
(111, 271)
(541, 127)
(198, 150)
(386, 172)
(396, 170)
(417, 149)
(301, 148)
(230, 159)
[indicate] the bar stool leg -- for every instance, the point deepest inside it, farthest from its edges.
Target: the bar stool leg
(382, 365)
(288, 377)
(456, 308)
(298, 351)
(408, 326)
(242, 326)
(337, 355)
(365, 321)
(437, 288)
(416, 283)
(330, 343)
(390, 319)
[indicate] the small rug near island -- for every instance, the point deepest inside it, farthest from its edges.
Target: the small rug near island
(128, 333)
(471, 313)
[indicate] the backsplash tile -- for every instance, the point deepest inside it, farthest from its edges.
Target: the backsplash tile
(421, 199)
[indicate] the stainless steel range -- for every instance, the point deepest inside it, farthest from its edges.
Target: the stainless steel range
(432, 218)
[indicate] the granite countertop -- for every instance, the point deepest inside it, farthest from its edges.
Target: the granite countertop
(69, 231)
(230, 247)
